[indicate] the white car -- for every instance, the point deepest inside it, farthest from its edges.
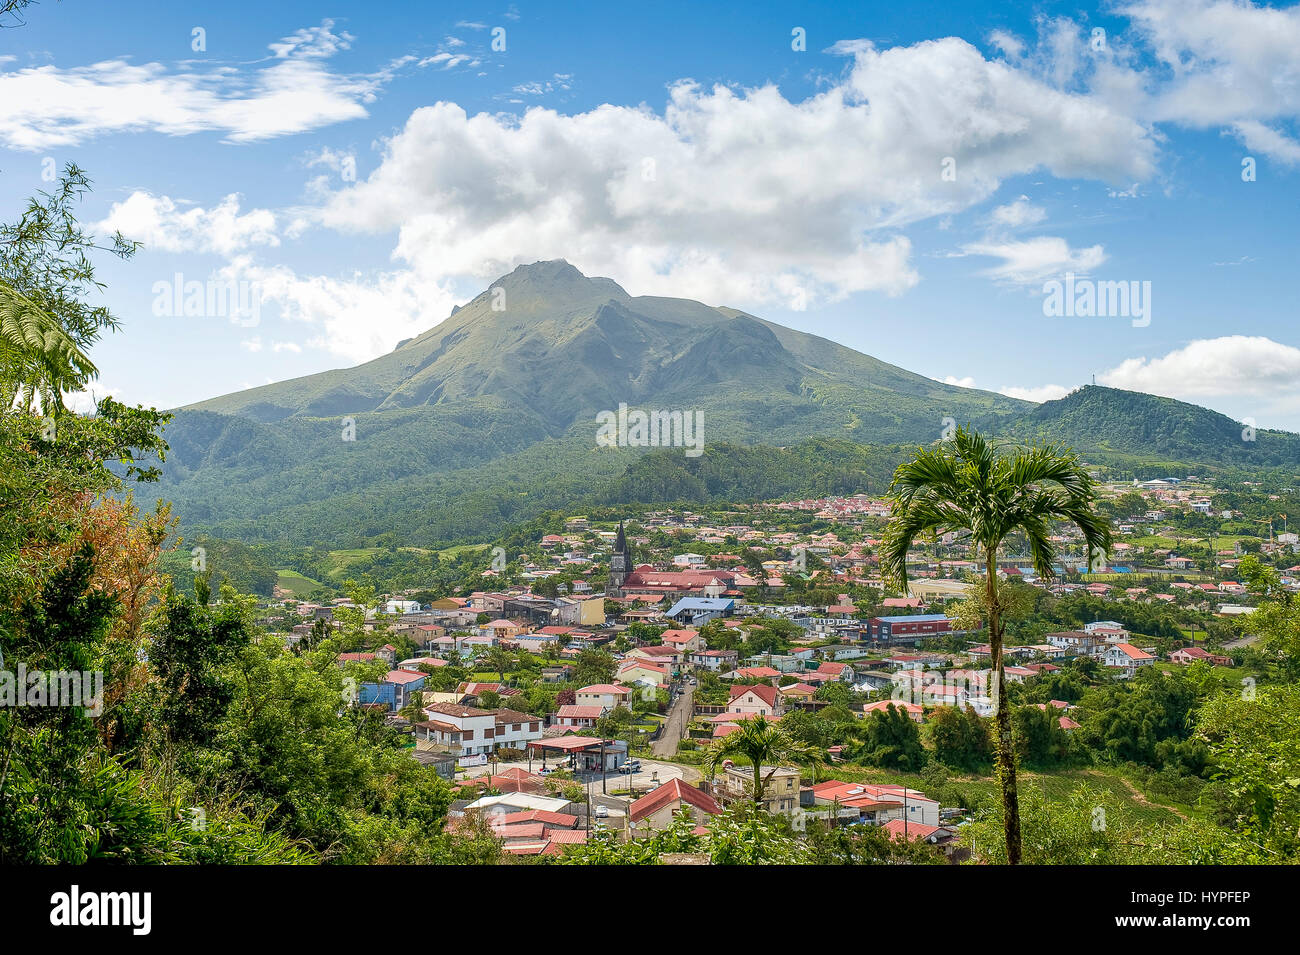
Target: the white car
(602, 812)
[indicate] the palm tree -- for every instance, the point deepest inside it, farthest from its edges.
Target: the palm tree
(967, 483)
(761, 741)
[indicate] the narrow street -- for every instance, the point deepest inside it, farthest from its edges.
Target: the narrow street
(665, 747)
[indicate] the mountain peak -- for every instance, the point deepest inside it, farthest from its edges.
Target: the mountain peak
(557, 276)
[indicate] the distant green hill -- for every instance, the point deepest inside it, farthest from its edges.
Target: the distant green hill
(490, 417)
(1109, 423)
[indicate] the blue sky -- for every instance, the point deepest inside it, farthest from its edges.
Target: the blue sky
(905, 184)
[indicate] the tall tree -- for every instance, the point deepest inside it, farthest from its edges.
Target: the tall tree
(968, 483)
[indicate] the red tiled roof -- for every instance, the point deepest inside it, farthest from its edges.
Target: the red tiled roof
(764, 691)
(574, 711)
(679, 636)
(913, 831)
(672, 791)
(403, 676)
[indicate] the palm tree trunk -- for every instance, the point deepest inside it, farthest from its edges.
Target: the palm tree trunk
(1005, 749)
(758, 784)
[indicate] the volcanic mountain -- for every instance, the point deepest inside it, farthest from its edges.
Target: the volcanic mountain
(490, 416)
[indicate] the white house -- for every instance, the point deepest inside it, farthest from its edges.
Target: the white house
(713, 660)
(579, 717)
(515, 730)
(473, 731)
(464, 729)
(605, 695)
(760, 700)
(1077, 642)
(1126, 657)
(683, 641)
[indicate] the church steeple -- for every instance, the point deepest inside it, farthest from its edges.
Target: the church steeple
(620, 563)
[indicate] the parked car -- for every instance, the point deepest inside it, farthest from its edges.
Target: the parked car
(602, 811)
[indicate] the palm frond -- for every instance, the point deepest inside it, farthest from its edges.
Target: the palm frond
(37, 357)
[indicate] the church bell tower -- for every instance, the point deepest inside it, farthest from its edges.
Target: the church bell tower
(620, 563)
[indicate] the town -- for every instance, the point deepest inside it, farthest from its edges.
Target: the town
(578, 686)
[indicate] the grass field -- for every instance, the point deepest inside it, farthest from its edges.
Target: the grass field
(1221, 542)
(461, 548)
(295, 583)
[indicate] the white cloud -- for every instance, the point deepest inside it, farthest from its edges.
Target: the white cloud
(1228, 63)
(1261, 139)
(356, 317)
(1035, 260)
(1036, 394)
(1019, 213)
(736, 196)
(160, 222)
(85, 401)
(253, 344)
(1007, 43)
(448, 61)
(1212, 367)
(559, 81)
(967, 382)
(291, 92)
(1240, 375)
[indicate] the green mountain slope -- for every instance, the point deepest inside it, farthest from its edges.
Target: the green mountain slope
(489, 418)
(1110, 423)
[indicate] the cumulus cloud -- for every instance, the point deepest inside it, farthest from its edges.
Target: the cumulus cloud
(1227, 63)
(1033, 261)
(160, 222)
(967, 382)
(726, 194)
(356, 317)
(290, 92)
(734, 195)
(1212, 367)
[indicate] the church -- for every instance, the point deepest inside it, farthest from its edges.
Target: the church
(653, 585)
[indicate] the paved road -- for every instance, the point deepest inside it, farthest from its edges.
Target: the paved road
(665, 747)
